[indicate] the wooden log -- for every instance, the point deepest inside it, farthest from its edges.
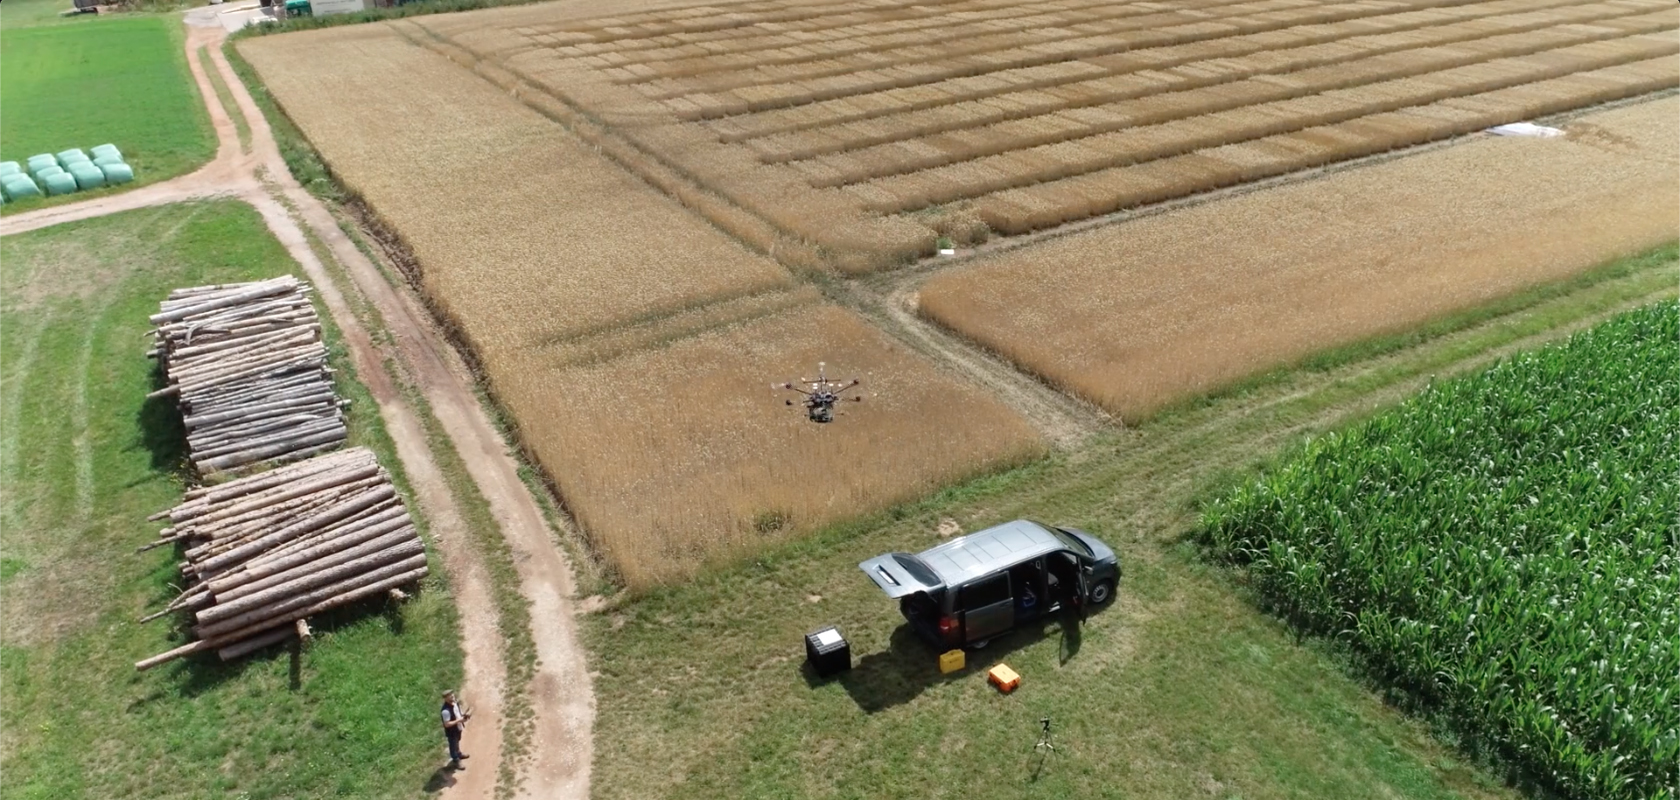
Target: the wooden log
(336, 434)
(345, 598)
(210, 497)
(227, 614)
(303, 631)
(278, 430)
(262, 289)
(319, 395)
(161, 541)
(349, 596)
(287, 498)
(255, 643)
(390, 542)
(290, 532)
(281, 611)
(224, 541)
(170, 655)
(389, 520)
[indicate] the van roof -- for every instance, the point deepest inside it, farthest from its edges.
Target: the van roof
(962, 559)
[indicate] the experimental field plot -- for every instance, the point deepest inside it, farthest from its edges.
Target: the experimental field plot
(861, 133)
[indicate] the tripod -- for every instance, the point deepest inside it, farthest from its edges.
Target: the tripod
(1045, 740)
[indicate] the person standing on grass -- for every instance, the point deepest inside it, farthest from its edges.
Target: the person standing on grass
(454, 722)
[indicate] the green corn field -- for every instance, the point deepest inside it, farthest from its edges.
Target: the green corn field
(1505, 547)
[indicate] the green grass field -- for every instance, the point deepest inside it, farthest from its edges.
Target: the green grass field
(84, 459)
(1503, 548)
(82, 82)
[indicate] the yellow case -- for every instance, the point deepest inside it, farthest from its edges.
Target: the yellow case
(951, 661)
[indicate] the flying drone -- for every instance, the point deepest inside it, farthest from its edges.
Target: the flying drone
(823, 395)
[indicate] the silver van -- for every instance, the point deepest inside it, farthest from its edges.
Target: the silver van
(973, 588)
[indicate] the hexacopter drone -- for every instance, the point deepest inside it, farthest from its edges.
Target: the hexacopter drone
(823, 395)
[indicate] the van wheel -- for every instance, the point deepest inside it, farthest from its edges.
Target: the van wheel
(1102, 593)
(980, 645)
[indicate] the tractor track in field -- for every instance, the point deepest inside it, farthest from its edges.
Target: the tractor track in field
(561, 700)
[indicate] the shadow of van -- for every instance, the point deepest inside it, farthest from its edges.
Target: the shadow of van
(910, 665)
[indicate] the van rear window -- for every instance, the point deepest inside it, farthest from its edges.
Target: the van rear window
(917, 569)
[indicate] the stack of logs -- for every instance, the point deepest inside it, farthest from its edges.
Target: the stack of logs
(247, 367)
(266, 551)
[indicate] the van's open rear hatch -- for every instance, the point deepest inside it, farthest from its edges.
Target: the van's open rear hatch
(900, 574)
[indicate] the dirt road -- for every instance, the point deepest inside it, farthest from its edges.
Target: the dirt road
(561, 700)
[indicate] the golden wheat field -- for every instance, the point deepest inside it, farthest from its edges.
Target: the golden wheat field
(674, 455)
(852, 135)
(633, 343)
(1139, 315)
(624, 210)
(524, 235)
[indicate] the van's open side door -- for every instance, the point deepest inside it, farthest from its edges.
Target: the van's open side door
(988, 607)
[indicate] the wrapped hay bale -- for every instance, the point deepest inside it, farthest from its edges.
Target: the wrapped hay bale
(38, 162)
(87, 176)
(19, 186)
(71, 156)
(9, 168)
(117, 173)
(58, 183)
(102, 150)
(42, 173)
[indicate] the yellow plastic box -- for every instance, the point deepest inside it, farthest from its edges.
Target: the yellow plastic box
(951, 661)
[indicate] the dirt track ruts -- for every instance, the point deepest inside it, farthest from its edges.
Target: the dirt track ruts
(561, 699)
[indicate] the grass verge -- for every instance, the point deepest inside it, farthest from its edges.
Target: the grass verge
(85, 458)
(1182, 688)
(124, 81)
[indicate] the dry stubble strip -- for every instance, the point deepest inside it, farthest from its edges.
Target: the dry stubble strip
(872, 39)
(846, 80)
(976, 51)
(1044, 206)
(1500, 16)
(1133, 146)
(811, 36)
(1352, 43)
(639, 28)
